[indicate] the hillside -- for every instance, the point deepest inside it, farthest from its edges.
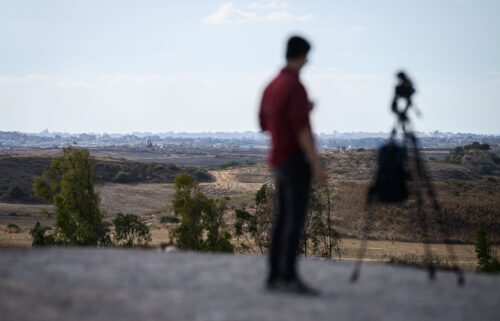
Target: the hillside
(17, 174)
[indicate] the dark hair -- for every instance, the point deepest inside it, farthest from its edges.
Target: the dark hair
(297, 47)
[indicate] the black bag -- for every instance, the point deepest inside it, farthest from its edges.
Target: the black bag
(391, 181)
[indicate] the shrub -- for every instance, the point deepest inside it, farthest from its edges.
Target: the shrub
(255, 229)
(13, 228)
(130, 231)
(487, 262)
(485, 169)
(39, 237)
(16, 193)
(122, 177)
(495, 158)
(477, 146)
(230, 164)
(168, 219)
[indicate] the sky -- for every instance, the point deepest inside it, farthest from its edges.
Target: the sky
(120, 66)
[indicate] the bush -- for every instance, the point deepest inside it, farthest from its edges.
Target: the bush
(202, 226)
(487, 262)
(122, 177)
(169, 219)
(495, 158)
(130, 231)
(39, 236)
(477, 146)
(16, 193)
(13, 228)
(486, 169)
(230, 164)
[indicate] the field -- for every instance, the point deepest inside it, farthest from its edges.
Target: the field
(469, 201)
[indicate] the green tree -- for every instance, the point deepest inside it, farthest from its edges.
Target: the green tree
(199, 217)
(320, 235)
(130, 231)
(326, 241)
(69, 185)
(255, 229)
(485, 254)
(218, 238)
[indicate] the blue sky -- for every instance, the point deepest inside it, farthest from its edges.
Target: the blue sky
(157, 66)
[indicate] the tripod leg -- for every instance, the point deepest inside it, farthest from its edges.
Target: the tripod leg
(449, 248)
(422, 219)
(364, 242)
(423, 173)
(421, 177)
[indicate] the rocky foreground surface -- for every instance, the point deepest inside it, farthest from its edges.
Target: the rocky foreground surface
(139, 285)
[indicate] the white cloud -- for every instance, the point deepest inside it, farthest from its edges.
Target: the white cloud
(268, 5)
(228, 12)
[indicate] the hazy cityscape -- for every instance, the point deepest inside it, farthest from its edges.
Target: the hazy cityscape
(239, 140)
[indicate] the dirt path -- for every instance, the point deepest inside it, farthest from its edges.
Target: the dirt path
(227, 184)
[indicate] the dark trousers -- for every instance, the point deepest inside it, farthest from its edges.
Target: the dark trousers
(293, 184)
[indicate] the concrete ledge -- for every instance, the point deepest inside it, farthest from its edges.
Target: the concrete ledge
(138, 285)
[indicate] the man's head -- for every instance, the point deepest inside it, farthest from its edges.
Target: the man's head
(297, 49)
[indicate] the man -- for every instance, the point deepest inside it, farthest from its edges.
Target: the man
(284, 112)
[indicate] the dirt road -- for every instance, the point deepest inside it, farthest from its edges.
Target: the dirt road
(228, 183)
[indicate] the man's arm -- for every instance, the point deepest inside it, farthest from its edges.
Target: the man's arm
(262, 121)
(307, 144)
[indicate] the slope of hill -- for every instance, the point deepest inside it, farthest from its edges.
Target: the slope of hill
(17, 174)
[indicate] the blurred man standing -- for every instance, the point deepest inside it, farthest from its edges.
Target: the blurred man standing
(284, 112)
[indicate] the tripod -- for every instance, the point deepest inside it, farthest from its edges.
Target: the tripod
(422, 187)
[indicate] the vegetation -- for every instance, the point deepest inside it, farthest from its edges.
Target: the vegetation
(17, 193)
(13, 228)
(234, 163)
(319, 234)
(169, 219)
(318, 237)
(69, 185)
(201, 225)
(255, 229)
(17, 174)
(122, 177)
(40, 237)
(458, 153)
(130, 231)
(487, 262)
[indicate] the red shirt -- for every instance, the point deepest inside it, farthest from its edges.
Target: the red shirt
(284, 112)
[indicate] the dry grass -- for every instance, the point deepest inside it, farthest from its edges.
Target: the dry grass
(469, 202)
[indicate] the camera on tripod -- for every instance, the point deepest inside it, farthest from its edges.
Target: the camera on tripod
(398, 163)
(404, 90)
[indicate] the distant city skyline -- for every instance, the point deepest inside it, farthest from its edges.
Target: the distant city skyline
(200, 66)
